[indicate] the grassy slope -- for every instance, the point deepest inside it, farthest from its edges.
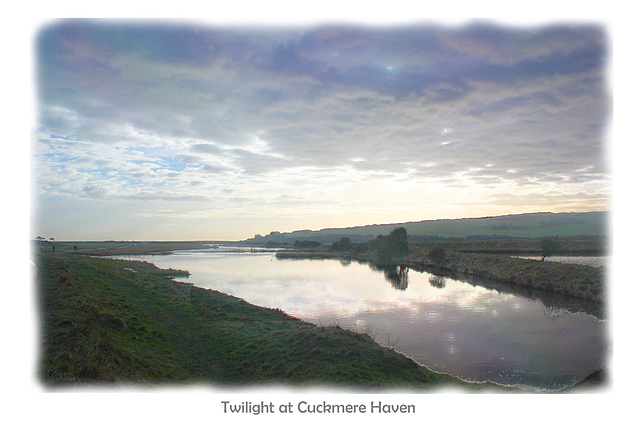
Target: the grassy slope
(126, 322)
(520, 226)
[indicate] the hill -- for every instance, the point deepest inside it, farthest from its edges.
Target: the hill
(533, 225)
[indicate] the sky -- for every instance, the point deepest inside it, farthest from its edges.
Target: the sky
(182, 130)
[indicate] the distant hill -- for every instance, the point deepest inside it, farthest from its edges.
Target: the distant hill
(498, 227)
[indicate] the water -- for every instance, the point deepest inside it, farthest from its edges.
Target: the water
(472, 332)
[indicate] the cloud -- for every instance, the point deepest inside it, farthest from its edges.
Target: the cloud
(132, 110)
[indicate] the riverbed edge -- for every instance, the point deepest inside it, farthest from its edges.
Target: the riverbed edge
(576, 281)
(357, 386)
(109, 322)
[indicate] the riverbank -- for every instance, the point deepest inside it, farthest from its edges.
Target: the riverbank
(578, 281)
(108, 321)
(571, 280)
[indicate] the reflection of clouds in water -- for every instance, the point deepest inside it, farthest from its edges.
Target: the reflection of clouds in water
(432, 315)
(450, 339)
(335, 290)
(468, 297)
(469, 329)
(318, 288)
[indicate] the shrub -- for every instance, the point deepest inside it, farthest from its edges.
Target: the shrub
(342, 245)
(549, 247)
(437, 254)
(300, 244)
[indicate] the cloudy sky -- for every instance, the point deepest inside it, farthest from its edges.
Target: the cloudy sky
(181, 130)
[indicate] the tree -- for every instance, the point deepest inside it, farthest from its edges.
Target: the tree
(398, 241)
(342, 245)
(393, 245)
(301, 244)
(549, 247)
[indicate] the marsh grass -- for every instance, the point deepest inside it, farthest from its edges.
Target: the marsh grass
(576, 281)
(111, 248)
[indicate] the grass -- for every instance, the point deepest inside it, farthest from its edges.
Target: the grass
(110, 321)
(490, 260)
(578, 281)
(576, 246)
(111, 248)
(530, 226)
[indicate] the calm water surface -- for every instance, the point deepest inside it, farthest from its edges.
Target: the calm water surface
(450, 326)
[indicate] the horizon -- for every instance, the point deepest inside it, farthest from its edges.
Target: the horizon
(317, 229)
(178, 131)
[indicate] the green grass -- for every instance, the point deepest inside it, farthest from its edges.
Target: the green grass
(490, 260)
(126, 322)
(531, 226)
(577, 281)
(575, 245)
(110, 248)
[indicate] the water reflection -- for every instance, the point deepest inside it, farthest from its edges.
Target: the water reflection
(437, 281)
(548, 299)
(477, 331)
(397, 275)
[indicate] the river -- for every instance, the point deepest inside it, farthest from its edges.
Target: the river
(474, 332)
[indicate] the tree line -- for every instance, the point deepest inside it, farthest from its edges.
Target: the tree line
(384, 248)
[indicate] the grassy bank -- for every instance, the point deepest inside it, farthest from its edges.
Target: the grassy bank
(567, 246)
(125, 322)
(491, 261)
(579, 281)
(111, 248)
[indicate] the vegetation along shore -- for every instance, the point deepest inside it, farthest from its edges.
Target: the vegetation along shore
(107, 321)
(110, 321)
(492, 259)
